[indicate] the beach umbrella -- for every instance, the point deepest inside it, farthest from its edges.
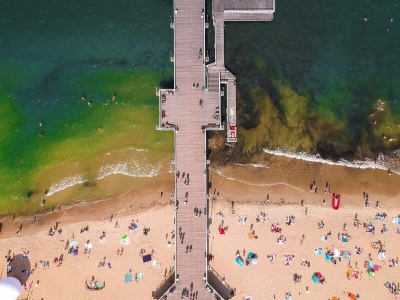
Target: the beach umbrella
(74, 244)
(254, 260)
(10, 288)
(382, 255)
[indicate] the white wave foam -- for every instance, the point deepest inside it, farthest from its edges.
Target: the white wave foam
(138, 149)
(65, 183)
(380, 163)
(132, 168)
(252, 183)
(259, 165)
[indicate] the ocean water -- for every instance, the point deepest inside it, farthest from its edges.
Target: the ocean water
(310, 79)
(307, 82)
(55, 58)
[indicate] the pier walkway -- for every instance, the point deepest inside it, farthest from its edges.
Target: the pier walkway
(190, 109)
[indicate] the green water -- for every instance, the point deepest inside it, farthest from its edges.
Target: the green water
(54, 53)
(320, 68)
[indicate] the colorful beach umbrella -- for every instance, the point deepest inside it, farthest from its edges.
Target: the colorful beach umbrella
(10, 288)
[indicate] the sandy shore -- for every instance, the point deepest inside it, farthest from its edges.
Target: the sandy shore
(68, 280)
(277, 188)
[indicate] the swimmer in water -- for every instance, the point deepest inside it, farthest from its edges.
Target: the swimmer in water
(89, 103)
(114, 97)
(40, 123)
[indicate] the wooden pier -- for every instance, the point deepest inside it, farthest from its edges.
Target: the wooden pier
(190, 109)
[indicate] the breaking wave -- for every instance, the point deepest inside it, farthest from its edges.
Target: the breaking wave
(382, 162)
(132, 168)
(65, 183)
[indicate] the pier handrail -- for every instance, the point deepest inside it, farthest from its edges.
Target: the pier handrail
(220, 278)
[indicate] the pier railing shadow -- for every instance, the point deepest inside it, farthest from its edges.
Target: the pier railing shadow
(165, 286)
(217, 282)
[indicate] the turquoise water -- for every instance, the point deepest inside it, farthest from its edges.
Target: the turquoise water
(340, 56)
(55, 57)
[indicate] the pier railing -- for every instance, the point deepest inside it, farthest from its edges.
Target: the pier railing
(165, 286)
(217, 282)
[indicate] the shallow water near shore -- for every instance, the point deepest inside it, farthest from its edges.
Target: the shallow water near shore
(77, 95)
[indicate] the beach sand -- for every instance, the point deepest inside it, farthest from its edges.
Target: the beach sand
(276, 188)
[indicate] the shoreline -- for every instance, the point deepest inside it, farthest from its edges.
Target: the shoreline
(278, 176)
(123, 204)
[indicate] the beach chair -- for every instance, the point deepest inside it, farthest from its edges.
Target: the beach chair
(146, 258)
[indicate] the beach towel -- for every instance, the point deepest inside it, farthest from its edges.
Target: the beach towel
(147, 258)
(349, 272)
(347, 254)
(128, 277)
(155, 264)
(319, 251)
(352, 296)
(356, 274)
(139, 276)
(328, 257)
